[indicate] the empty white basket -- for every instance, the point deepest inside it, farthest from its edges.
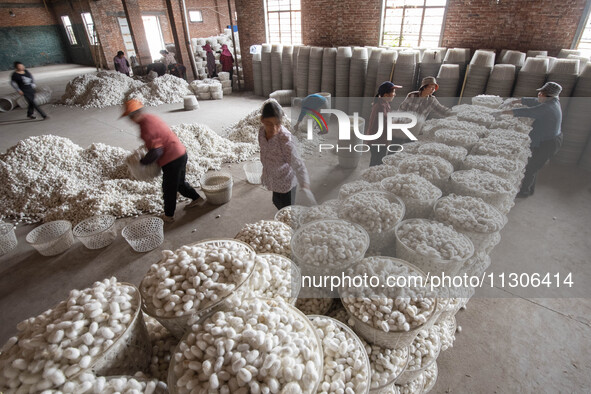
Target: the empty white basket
(217, 187)
(96, 232)
(144, 234)
(7, 238)
(51, 238)
(253, 172)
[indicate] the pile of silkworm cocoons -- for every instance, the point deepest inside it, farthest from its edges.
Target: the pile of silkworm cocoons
(464, 138)
(452, 123)
(329, 243)
(348, 189)
(394, 159)
(290, 215)
(88, 383)
(377, 173)
(375, 211)
(412, 387)
(314, 306)
(482, 182)
(496, 165)
(454, 154)
(498, 147)
(434, 239)
(424, 349)
(446, 330)
(346, 365)
(411, 187)
(432, 168)
(326, 210)
(386, 364)
(466, 213)
(489, 101)
(389, 308)
(53, 347)
(262, 346)
(483, 119)
(163, 344)
(267, 236)
(195, 277)
(430, 376)
(274, 276)
(509, 135)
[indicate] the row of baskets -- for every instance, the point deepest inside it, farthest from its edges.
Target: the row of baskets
(96, 232)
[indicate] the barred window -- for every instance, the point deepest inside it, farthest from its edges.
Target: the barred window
(413, 23)
(69, 30)
(284, 21)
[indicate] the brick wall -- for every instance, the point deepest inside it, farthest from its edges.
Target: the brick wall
(27, 13)
(215, 17)
(158, 8)
(519, 24)
(329, 23)
(251, 28)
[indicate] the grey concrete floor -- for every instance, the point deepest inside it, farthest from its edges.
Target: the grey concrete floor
(512, 339)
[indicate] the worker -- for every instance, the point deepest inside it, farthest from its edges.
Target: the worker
(22, 81)
(158, 68)
(381, 107)
(211, 66)
(165, 148)
(121, 63)
(283, 168)
(311, 104)
(167, 58)
(546, 135)
(227, 61)
(423, 103)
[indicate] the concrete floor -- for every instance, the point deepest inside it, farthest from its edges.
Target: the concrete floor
(513, 339)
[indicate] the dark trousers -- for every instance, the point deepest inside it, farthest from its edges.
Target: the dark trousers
(231, 74)
(173, 181)
(30, 97)
(282, 200)
(539, 157)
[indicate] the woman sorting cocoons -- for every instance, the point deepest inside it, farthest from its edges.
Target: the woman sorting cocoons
(381, 107)
(423, 103)
(283, 167)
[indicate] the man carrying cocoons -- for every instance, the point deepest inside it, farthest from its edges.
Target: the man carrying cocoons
(166, 148)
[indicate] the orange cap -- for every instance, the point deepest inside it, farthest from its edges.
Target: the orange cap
(132, 106)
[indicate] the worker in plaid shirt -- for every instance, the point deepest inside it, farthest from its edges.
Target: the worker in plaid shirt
(422, 101)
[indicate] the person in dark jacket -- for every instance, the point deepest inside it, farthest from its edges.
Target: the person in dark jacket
(22, 81)
(381, 107)
(121, 63)
(311, 104)
(546, 135)
(211, 66)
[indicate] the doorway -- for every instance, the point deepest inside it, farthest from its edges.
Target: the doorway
(153, 35)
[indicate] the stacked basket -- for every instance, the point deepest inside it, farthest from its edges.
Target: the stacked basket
(302, 71)
(430, 63)
(257, 74)
(370, 80)
(286, 68)
(315, 70)
(404, 72)
(478, 73)
(329, 60)
(501, 80)
(343, 67)
(357, 75)
(385, 67)
(531, 77)
(266, 69)
(448, 80)
(457, 56)
(515, 58)
(564, 72)
(576, 125)
(276, 59)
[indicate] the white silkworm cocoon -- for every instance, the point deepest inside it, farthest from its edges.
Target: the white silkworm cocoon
(464, 138)
(466, 213)
(481, 181)
(326, 210)
(314, 306)
(453, 154)
(290, 215)
(389, 308)
(344, 357)
(379, 172)
(432, 168)
(329, 243)
(411, 187)
(386, 364)
(489, 101)
(348, 189)
(424, 349)
(274, 349)
(267, 236)
(60, 342)
(373, 210)
(434, 239)
(274, 277)
(213, 271)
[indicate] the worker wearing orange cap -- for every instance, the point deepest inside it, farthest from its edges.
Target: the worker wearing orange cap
(165, 148)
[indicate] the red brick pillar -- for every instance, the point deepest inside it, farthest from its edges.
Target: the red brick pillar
(179, 34)
(138, 34)
(251, 30)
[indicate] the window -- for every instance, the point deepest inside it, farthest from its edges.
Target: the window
(69, 30)
(195, 16)
(413, 23)
(89, 25)
(284, 21)
(584, 44)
